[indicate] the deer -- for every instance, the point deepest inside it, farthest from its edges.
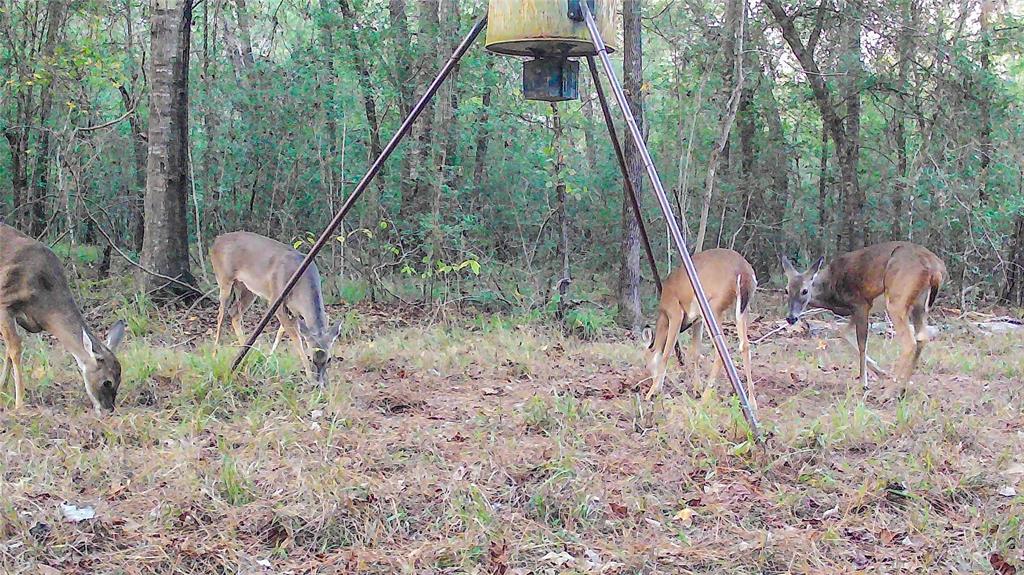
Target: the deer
(247, 265)
(34, 295)
(729, 283)
(907, 275)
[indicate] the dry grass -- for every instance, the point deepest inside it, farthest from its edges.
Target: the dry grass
(453, 450)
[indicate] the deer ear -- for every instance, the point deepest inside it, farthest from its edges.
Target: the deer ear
(647, 337)
(115, 335)
(87, 344)
(787, 266)
(817, 265)
(302, 326)
(335, 332)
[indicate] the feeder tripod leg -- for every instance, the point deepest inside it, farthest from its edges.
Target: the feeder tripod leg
(634, 202)
(371, 173)
(677, 236)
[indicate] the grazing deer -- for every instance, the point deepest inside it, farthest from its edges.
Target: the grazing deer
(249, 265)
(729, 282)
(34, 294)
(908, 275)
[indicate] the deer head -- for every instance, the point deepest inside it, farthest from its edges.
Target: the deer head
(100, 368)
(318, 345)
(799, 287)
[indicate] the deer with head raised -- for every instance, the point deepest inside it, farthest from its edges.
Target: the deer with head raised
(248, 265)
(907, 275)
(729, 282)
(34, 294)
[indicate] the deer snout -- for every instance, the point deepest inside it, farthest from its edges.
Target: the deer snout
(791, 319)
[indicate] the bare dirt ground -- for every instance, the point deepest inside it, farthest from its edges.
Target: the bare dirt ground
(478, 448)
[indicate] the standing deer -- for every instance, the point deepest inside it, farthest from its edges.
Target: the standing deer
(249, 265)
(34, 294)
(908, 275)
(729, 282)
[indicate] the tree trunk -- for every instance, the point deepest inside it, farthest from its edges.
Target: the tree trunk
(366, 92)
(40, 173)
(856, 233)
(17, 138)
(244, 46)
(450, 104)
(138, 196)
(987, 94)
(558, 176)
(424, 163)
(824, 222)
(165, 246)
(629, 311)
(483, 131)
(590, 144)
(847, 153)
(735, 16)
(401, 43)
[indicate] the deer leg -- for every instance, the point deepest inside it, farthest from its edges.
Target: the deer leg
(659, 364)
(695, 340)
(860, 323)
(5, 373)
(849, 335)
(919, 319)
(288, 325)
(904, 334)
(243, 299)
(277, 339)
(742, 322)
(225, 297)
(9, 333)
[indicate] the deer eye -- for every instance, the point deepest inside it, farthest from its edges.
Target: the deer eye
(108, 384)
(803, 291)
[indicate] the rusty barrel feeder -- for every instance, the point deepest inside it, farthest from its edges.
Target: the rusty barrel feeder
(550, 33)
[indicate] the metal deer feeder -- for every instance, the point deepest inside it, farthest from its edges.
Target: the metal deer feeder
(551, 33)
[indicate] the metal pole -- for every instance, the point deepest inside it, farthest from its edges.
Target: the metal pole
(630, 191)
(363, 184)
(673, 226)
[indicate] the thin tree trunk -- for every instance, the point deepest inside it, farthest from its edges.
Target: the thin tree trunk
(737, 16)
(823, 219)
(401, 43)
(847, 153)
(985, 99)
(856, 233)
(40, 172)
(424, 164)
(244, 46)
(483, 134)
(165, 246)
(138, 196)
(629, 312)
(563, 220)
(589, 142)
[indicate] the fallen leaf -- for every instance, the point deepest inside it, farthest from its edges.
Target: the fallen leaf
(498, 558)
(1015, 469)
(558, 559)
(1000, 565)
(1007, 491)
(491, 391)
(75, 514)
(618, 509)
(684, 516)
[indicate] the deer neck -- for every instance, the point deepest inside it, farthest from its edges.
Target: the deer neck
(824, 295)
(310, 306)
(66, 324)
